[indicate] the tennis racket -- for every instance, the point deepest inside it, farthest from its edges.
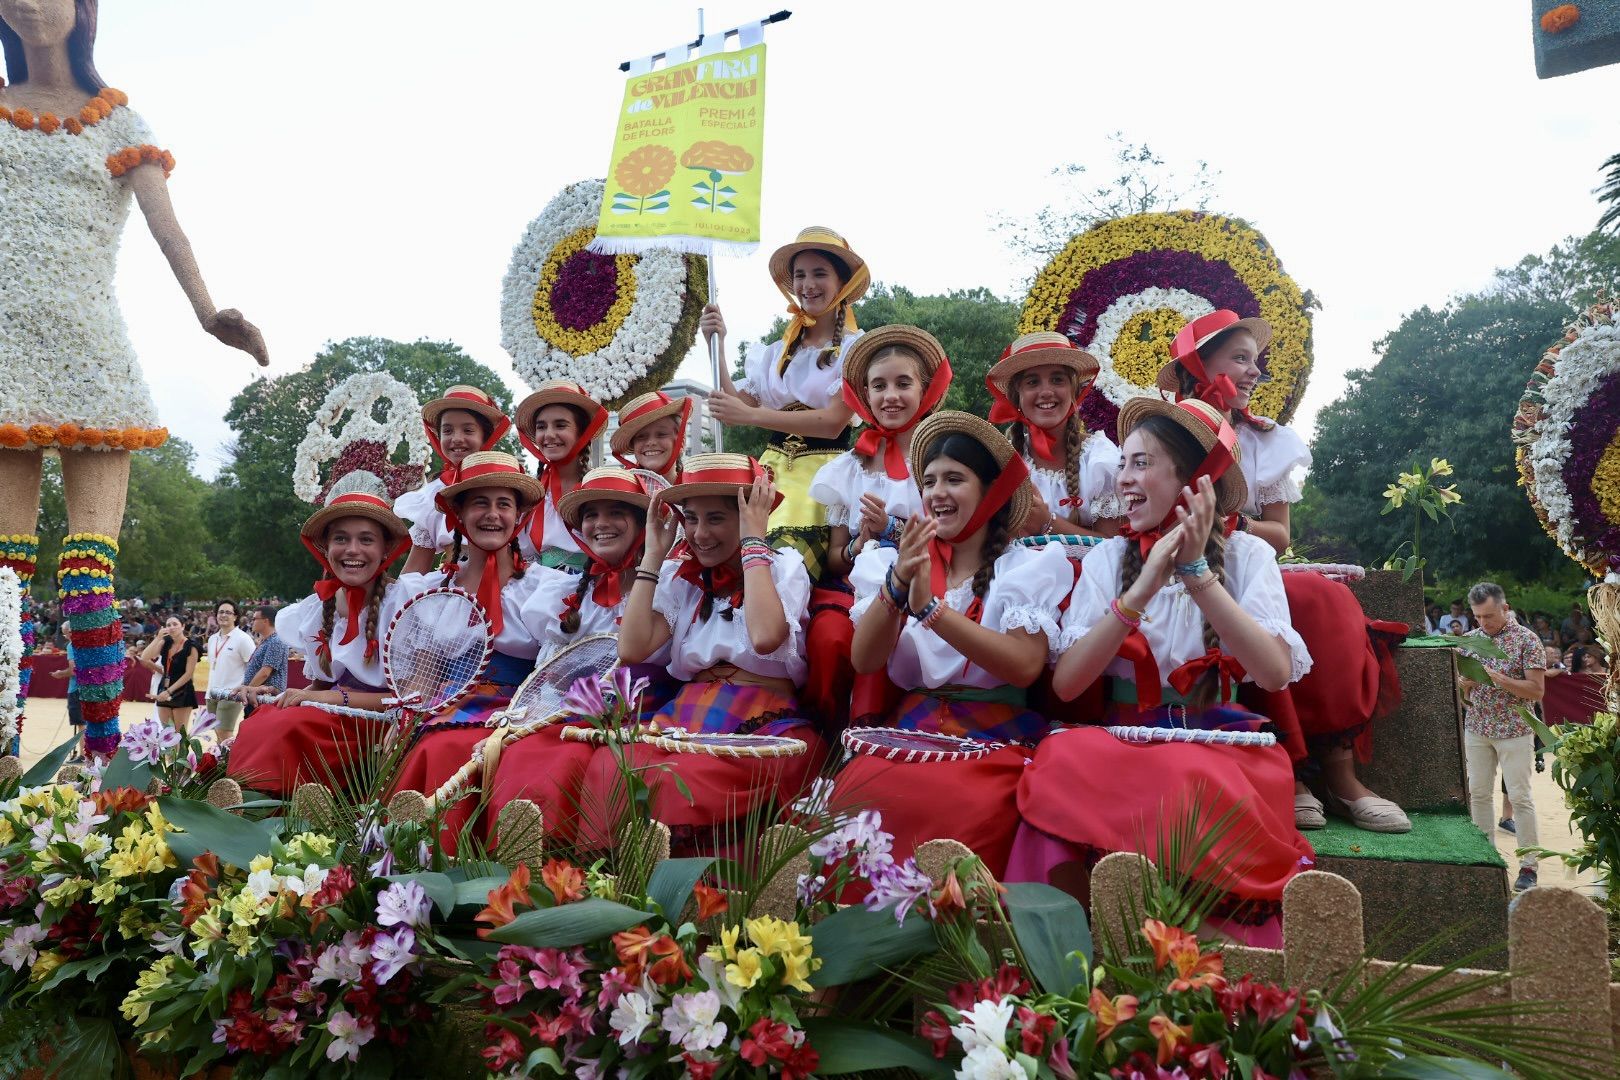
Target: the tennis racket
(914, 747)
(1140, 734)
(538, 703)
(651, 482)
(1332, 571)
(681, 741)
(436, 647)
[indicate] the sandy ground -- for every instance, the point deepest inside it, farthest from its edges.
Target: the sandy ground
(47, 726)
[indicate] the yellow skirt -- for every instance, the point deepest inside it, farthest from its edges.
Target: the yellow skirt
(800, 521)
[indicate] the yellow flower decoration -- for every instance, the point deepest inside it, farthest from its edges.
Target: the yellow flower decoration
(726, 947)
(747, 969)
(592, 338)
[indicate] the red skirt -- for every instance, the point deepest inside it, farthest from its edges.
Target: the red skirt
(278, 749)
(974, 801)
(1352, 681)
(547, 771)
(1101, 794)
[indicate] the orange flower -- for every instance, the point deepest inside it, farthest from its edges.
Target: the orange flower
(1170, 1036)
(637, 945)
(1195, 968)
(119, 800)
(90, 114)
(48, 123)
(1560, 18)
(23, 119)
(13, 437)
(948, 900)
(117, 97)
(504, 900)
(134, 438)
(565, 880)
(671, 967)
(1161, 937)
(5, 114)
(157, 437)
(89, 436)
(645, 170)
(194, 893)
(67, 434)
(1111, 1013)
(632, 946)
(74, 125)
(41, 434)
(710, 901)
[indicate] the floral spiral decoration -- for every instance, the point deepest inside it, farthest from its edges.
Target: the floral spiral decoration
(1121, 289)
(363, 442)
(11, 655)
(617, 324)
(1567, 436)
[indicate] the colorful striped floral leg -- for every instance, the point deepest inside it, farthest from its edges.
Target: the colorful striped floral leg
(21, 554)
(85, 582)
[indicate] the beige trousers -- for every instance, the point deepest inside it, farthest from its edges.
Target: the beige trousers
(1517, 757)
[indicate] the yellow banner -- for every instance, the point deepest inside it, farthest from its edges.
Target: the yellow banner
(687, 156)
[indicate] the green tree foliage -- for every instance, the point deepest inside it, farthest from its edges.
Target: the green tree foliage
(254, 511)
(974, 326)
(1447, 384)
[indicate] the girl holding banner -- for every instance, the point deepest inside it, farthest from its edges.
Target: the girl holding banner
(792, 386)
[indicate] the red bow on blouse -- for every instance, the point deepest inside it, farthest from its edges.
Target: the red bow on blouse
(1041, 441)
(997, 495)
(607, 590)
(1185, 676)
(875, 436)
(725, 580)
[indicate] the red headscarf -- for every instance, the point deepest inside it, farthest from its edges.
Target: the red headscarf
(1220, 390)
(875, 436)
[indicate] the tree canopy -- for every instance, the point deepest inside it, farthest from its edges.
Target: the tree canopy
(1446, 385)
(254, 512)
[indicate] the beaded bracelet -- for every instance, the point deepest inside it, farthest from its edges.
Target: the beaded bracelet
(1197, 568)
(760, 540)
(1201, 584)
(1133, 622)
(891, 531)
(345, 694)
(931, 613)
(754, 559)
(888, 601)
(852, 548)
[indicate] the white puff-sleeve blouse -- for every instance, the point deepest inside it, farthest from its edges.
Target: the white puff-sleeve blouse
(1099, 464)
(1024, 592)
(1271, 461)
(1172, 623)
(299, 625)
(515, 638)
(429, 527)
(804, 382)
(696, 644)
(839, 485)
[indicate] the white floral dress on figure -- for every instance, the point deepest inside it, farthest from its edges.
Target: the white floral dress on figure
(1270, 459)
(1099, 464)
(430, 529)
(65, 355)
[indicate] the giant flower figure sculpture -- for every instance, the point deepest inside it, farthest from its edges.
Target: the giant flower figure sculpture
(617, 324)
(1121, 289)
(346, 430)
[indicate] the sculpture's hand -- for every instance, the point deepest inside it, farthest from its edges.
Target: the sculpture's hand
(230, 327)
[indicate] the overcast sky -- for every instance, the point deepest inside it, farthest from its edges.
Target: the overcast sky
(350, 168)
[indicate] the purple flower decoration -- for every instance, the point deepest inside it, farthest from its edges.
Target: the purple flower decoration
(404, 903)
(585, 698)
(587, 288)
(148, 740)
(898, 885)
(390, 954)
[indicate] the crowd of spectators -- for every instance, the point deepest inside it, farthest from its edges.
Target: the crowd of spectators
(1572, 639)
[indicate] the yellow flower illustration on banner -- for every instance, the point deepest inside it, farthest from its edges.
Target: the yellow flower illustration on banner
(643, 176)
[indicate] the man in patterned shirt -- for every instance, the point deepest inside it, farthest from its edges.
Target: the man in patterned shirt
(268, 664)
(1493, 730)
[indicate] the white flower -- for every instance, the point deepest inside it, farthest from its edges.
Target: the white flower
(404, 903)
(692, 1020)
(334, 964)
(985, 1025)
(349, 1034)
(390, 953)
(18, 951)
(632, 1014)
(11, 650)
(329, 433)
(988, 1063)
(1109, 324)
(714, 974)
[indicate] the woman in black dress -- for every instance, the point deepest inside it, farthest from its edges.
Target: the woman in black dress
(174, 656)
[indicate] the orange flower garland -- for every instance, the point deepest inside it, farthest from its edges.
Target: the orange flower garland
(130, 157)
(95, 111)
(1560, 18)
(16, 437)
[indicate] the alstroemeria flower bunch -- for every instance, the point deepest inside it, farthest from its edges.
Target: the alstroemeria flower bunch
(182, 763)
(295, 959)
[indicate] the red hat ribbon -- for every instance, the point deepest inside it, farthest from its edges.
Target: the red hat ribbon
(1003, 411)
(875, 436)
(329, 585)
(997, 495)
(660, 400)
(1220, 390)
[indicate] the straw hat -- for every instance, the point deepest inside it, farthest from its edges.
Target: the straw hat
(640, 412)
(950, 422)
(1200, 332)
(824, 240)
(1038, 349)
(1204, 421)
(608, 483)
(355, 504)
(858, 356)
(560, 392)
(716, 474)
(468, 398)
(492, 469)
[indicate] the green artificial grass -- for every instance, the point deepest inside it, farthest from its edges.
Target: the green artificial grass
(1436, 837)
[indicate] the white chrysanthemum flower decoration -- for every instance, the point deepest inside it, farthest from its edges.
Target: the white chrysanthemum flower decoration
(11, 653)
(357, 396)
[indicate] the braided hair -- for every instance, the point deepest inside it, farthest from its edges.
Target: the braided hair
(569, 621)
(1074, 435)
(1186, 454)
(379, 585)
(997, 531)
(519, 564)
(706, 605)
